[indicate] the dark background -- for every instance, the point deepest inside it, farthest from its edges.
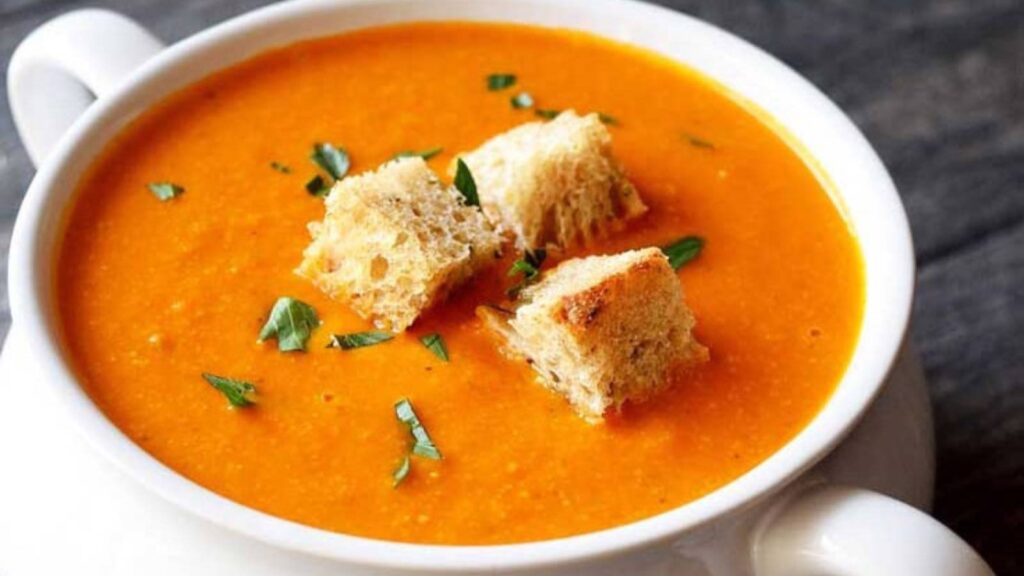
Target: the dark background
(938, 87)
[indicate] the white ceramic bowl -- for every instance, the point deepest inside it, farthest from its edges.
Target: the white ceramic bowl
(809, 531)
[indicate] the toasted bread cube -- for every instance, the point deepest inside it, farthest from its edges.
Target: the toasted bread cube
(395, 241)
(552, 184)
(603, 330)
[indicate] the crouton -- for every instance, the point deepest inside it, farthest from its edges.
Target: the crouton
(602, 330)
(552, 184)
(396, 241)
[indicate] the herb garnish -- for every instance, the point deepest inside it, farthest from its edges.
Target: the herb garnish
(359, 339)
(401, 472)
(425, 154)
(548, 113)
(698, 141)
(238, 392)
(496, 82)
(683, 250)
(607, 119)
(164, 191)
(435, 344)
(522, 100)
(333, 160)
(529, 266)
(317, 186)
(422, 444)
(282, 168)
(291, 322)
(464, 183)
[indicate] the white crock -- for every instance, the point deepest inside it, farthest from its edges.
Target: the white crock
(775, 520)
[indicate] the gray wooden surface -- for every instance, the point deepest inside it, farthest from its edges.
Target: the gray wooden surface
(938, 87)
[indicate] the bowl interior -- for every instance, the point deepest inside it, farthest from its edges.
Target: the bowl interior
(805, 117)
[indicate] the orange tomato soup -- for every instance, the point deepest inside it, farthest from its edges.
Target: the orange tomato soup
(153, 293)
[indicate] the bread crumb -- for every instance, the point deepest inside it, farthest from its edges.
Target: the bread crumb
(553, 184)
(603, 330)
(396, 241)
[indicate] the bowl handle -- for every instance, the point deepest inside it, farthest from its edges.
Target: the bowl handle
(62, 66)
(843, 531)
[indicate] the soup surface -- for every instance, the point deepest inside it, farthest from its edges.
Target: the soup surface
(153, 294)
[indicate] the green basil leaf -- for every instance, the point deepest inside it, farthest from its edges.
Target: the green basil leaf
(464, 183)
(523, 266)
(497, 82)
(283, 169)
(238, 392)
(529, 266)
(547, 113)
(435, 344)
(607, 118)
(401, 472)
(317, 186)
(522, 100)
(164, 191)
(359, 339)
(698, 142)
(333, 160)
(422, 444)
(425, 154)
(291, 322)
(683, 250)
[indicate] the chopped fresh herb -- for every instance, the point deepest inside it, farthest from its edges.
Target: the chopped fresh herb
(607, 118)
(164, 191)
(359, 339)
(464, 183)
(547, 113)
(529, 266)
(422, 444)
(683, 250)
(401, 472)
(522, 100)
(698, 141)
(291, 322)
(283, 169)
(238, 392)
(333, 160)
(425, 154)
(317, 186)
(497, 82)
(435, 344)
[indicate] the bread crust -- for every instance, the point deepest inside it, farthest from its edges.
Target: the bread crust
(603, 330)
(396, 241)
(553, 184)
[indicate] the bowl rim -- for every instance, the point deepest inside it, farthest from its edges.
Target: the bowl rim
(37, 228)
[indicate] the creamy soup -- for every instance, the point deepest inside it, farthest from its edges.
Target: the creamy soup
(154, 294)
